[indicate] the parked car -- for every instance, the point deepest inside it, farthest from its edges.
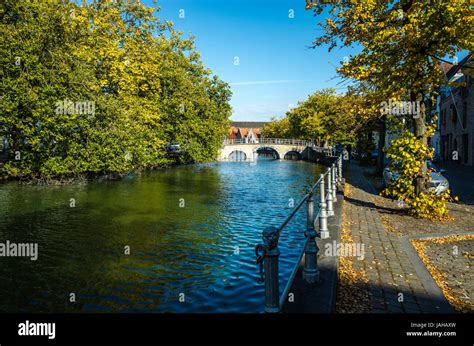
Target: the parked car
(438, 182)
(173, 148)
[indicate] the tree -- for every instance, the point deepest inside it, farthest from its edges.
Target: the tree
(325, 117)
(400, 42)
(277, 128)
(142, 84)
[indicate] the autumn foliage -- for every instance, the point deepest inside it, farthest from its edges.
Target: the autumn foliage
(146, 82)
(400, 45)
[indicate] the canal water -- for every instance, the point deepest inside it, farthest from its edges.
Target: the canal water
(191, 232)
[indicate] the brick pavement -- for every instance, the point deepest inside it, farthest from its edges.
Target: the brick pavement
(453, 261)
(389, 268)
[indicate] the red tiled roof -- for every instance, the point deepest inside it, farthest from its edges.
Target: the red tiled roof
(257, 131)
(243, 131)
(233, 132)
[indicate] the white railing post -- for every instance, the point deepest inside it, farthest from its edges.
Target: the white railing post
(329, 194)
(334, 183)
(339, 162)
(323, 217)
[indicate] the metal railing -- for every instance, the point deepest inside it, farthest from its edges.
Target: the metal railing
(329, 151)
(286, 141)
(297, 142)
(268, 253)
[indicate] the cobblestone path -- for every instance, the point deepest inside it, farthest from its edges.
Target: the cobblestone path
(393, 285)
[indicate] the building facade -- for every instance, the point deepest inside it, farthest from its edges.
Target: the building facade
(456, 120)
(248, 132)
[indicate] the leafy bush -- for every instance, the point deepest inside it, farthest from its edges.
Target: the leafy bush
(408, 154)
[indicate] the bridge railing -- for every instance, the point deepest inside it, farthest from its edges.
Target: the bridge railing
(284, 141)
(268, 252)
(297, 142)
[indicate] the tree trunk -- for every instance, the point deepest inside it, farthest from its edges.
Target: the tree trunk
(420, 133)
(380, 146)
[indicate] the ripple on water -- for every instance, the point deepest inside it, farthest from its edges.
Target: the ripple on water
(203, 251)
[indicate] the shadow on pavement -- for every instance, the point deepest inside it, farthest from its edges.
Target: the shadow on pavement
(461, 180)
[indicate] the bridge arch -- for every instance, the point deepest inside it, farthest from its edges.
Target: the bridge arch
(292, 155)
(268, 150)
(238, 155)
(281, 147)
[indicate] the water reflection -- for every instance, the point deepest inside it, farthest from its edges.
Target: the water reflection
(191, 231)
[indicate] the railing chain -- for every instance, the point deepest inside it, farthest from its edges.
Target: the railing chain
(259, 260)
(267, 254)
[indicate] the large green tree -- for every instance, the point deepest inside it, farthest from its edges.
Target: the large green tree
(277, 128)
(401, 43)
(144, 85)
(325, 117)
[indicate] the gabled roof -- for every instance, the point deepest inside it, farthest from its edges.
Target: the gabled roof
(256, 131)
(243, 131)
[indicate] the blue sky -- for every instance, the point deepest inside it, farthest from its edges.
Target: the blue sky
(276, 68)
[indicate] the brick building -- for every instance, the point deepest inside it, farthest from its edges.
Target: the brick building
(456, 121)
(248, 131)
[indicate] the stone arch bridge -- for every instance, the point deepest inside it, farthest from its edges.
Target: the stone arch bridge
(240, 150)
